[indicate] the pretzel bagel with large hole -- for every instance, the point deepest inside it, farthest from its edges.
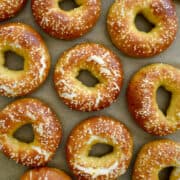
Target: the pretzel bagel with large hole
(66, 24)
(133, 42)
(26, 42)
(155, 156)
(102, 63)
(141, 96)
(46, 127)
(99, 130)
(9, 8)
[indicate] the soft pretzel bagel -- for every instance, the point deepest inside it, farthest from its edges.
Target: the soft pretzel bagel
(99, 130)
(102, 63)
(66, 24)
(24, 41)
(141, 96)
(45, 173)
(9, 8)
(131, 41)
(46, 127)
(155, 156)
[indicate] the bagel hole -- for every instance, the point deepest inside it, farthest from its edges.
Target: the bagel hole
(142, 24)
(13, 61)
(100, 149)
(24, 133)
(164, 174)
(87, 78)
(163, 99)
(67, 5)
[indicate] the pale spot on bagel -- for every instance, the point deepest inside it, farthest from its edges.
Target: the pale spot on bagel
(43, 152)
(69, 95)
(96, 138)
(40, 129)
(7, 89)
(98, 99)
(31, 115)
(97, 171)
(178, 115)
(96, 59)
(105, 71)
(43, 67)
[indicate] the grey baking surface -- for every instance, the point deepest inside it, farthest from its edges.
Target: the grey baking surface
(9, 170)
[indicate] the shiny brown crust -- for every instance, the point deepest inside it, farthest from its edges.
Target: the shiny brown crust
(46, 127)
(155, 156)
(9, 8)
(127, 38)
(141, 96)
(66, 24)
(102, 63)
(99, 130)
(24, 41)
(45, 173)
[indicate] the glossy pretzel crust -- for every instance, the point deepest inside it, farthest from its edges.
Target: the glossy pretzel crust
(66, 24)
(9, 8)
(141, 96)
(45, 173)
(46, 127)
(102, 63)
(131, 41)
(155, 156)
(99, 130)
(26, 42)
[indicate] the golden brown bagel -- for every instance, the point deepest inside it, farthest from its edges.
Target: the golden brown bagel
(46, 127)
(45, 173)
(9, 8)
(141, 96)
(126, 37)
(24, 41)
(66, 24)
(155, 156)
(99, 130)
(102, 63)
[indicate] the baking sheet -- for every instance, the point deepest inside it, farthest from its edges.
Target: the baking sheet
(9, 170)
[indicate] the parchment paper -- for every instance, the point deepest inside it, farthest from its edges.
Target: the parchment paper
(9, 170)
